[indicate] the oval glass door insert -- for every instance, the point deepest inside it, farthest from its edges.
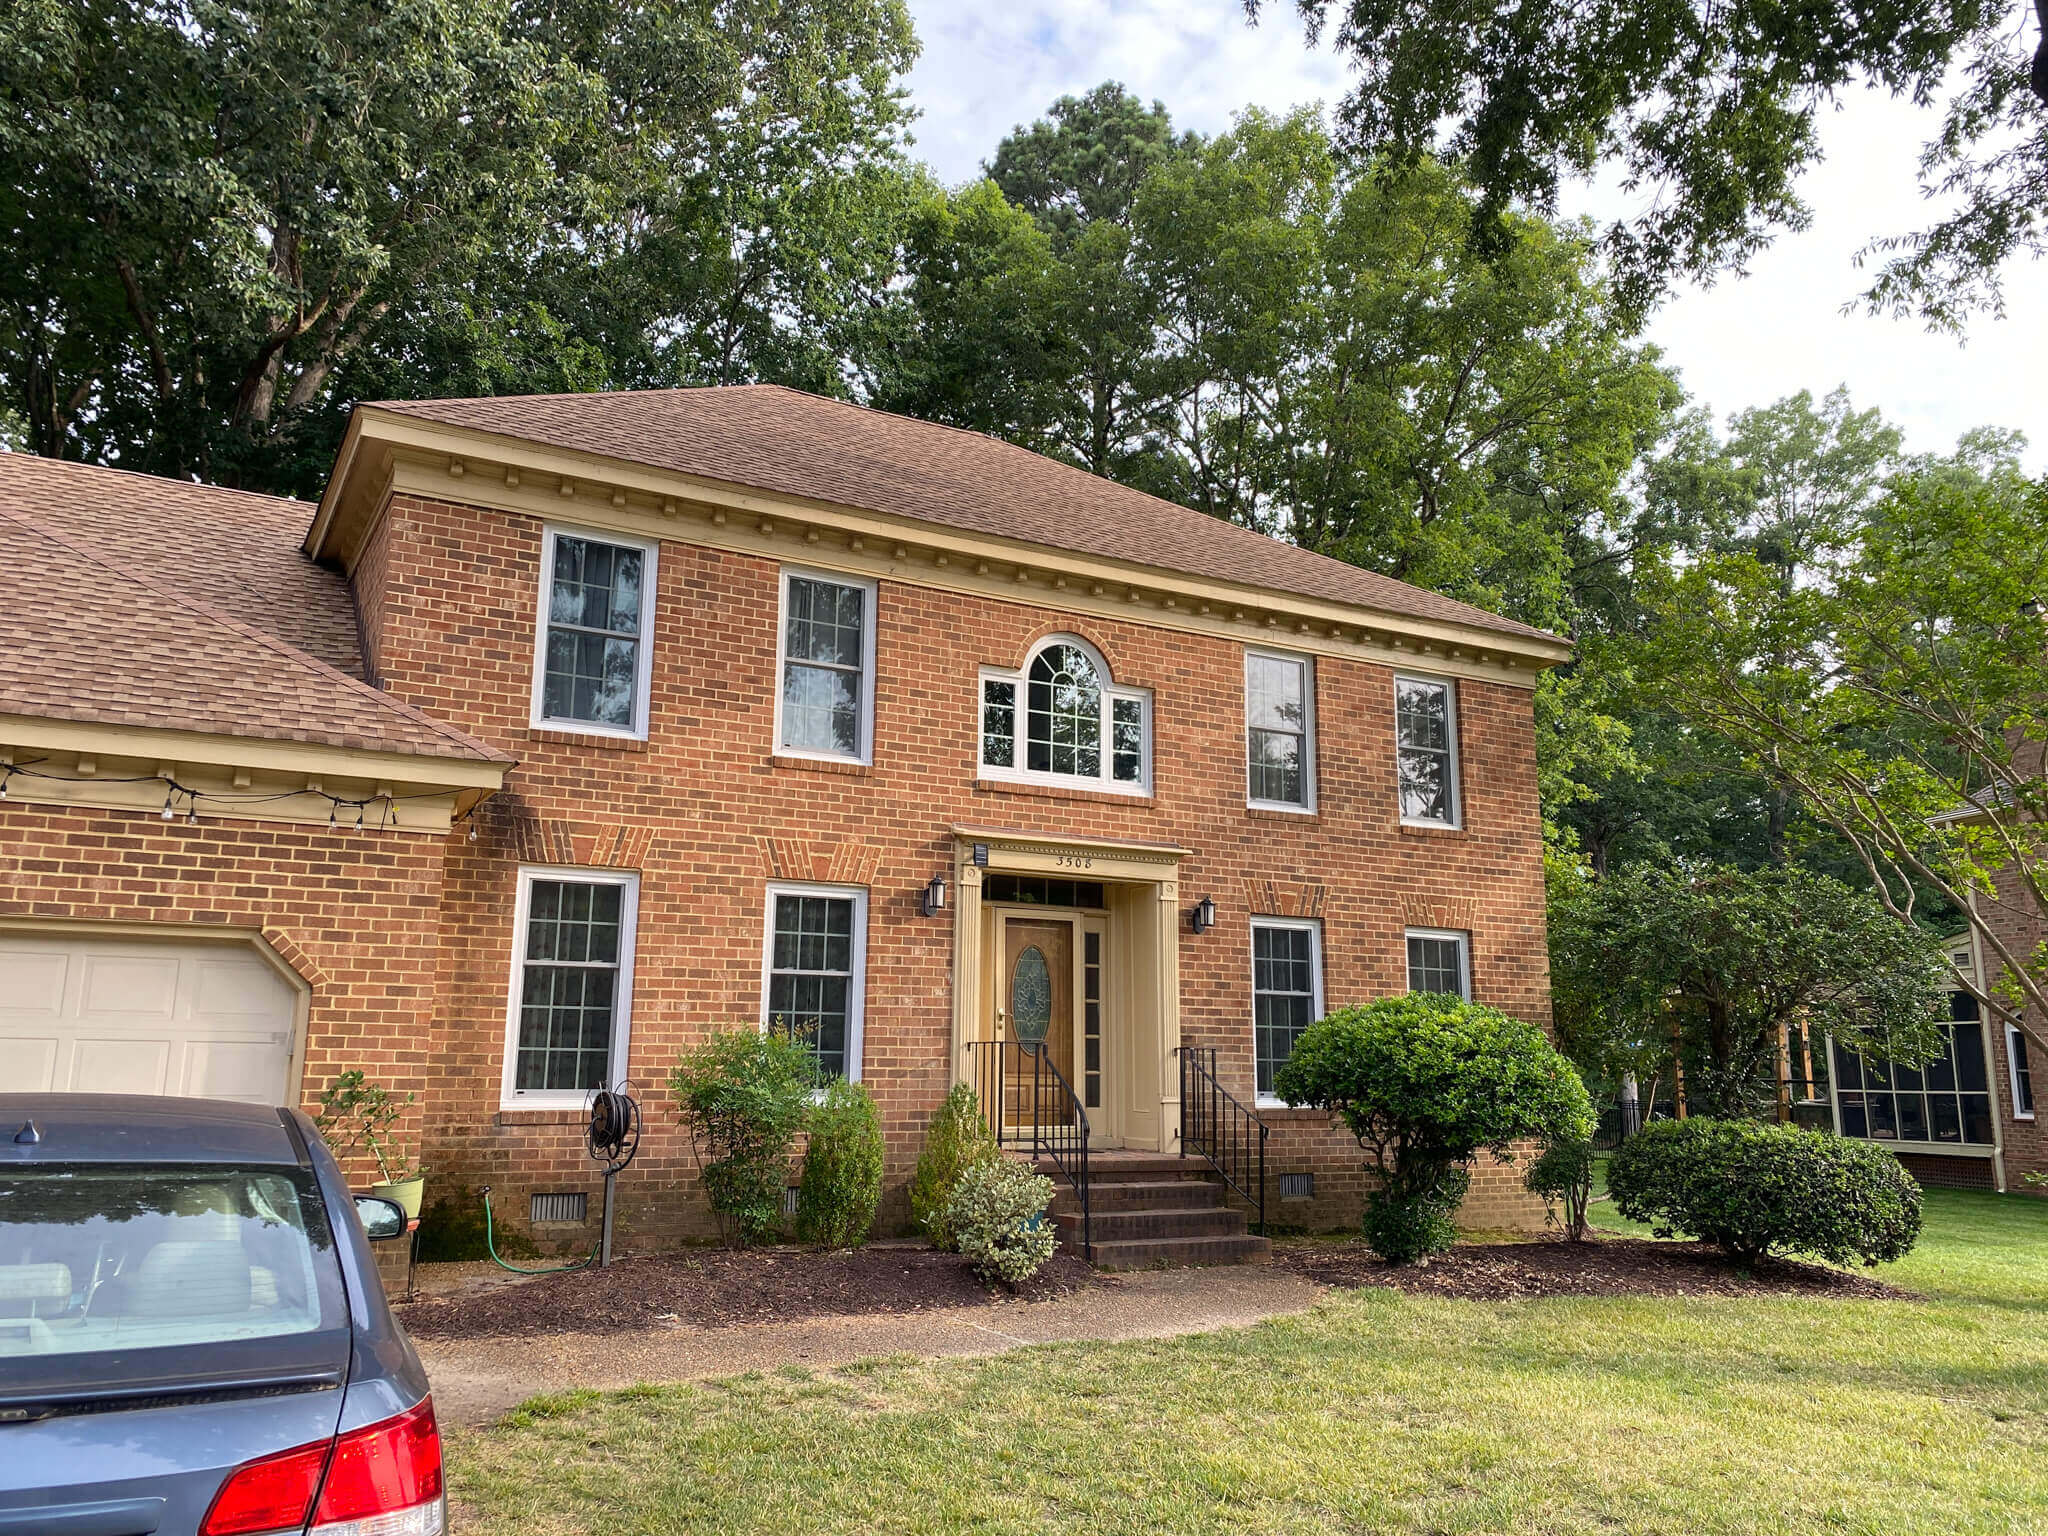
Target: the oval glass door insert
(1031, 996)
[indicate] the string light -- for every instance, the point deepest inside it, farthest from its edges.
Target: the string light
(387, 803)
(169, 790)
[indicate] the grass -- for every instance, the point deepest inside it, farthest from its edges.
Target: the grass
(1374, 1412)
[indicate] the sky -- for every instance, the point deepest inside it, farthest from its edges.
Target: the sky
(1746, 340)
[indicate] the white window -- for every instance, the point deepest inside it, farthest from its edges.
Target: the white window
(592, 656)
(814, 970)
(1287, 991)
(1060, 719)
(1279, 731)
(1426, 750)
(572, 984)
(2021, 1072)
(825, 663)
(1439, 961)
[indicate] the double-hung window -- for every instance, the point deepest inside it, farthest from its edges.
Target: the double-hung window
(813, 971)
(2021, 1073)
(1279, 718)
(1287, 991)
(593, 662)
(825, 692)
(1426, 750)
(1061, 719)
(572, 984)
(1439, 961)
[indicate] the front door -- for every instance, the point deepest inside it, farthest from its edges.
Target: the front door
(1035, 1009)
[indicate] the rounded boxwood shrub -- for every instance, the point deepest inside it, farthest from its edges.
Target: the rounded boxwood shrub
(1427, 1082)
(1756, 1189)
(841, 1187)
(998, 1210)
(957, 1138)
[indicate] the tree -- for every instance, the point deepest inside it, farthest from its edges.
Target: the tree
(219, 207)
(1903, 695)
(1721, 961)
(1427, 1082)
(1714, 107)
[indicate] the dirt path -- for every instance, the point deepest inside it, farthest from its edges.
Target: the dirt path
(475, 1380)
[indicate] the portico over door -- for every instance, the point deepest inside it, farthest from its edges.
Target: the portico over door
(1066, 965)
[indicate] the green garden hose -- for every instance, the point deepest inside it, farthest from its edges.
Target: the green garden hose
(490, 1242)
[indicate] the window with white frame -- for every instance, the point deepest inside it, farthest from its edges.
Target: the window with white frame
(1061, 719)
(1439, 961)
(1279, 719)
(593, 660)
(824, 702)
(2021, 1073)
(814, 968)
(1287, 990)
(572, 984)
(1426, 750)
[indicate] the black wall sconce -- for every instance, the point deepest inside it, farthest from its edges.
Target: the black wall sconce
(1203, 918)
(934, 899)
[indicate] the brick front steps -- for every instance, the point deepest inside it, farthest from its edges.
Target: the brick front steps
(1151, 1210)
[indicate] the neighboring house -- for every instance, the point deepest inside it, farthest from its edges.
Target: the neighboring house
(566, 729)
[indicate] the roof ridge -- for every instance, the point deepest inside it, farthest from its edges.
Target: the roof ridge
(72, 465)
(269, 642)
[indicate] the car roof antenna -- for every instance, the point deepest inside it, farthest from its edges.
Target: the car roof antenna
(28, 1135)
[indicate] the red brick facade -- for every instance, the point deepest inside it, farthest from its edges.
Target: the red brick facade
(2025, 1143)
(708, 814)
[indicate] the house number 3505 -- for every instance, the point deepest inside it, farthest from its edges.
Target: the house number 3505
(1075, 861)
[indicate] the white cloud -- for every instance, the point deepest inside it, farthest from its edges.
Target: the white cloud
(1744, 341)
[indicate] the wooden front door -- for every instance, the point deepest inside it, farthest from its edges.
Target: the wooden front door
(1035, 1008)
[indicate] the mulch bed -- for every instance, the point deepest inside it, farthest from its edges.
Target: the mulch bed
(715, 1288)
(1600, 1266)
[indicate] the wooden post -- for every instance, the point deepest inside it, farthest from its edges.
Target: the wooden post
(1677, 1068)
(1784, 1073)
(1806, 1054)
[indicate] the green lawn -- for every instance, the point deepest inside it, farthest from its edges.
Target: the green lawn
(1374, 1412)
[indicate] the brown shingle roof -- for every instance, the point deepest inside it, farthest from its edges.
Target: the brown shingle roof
(85, 635)
(785, 441)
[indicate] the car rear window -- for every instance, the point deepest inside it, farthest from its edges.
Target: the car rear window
(111, 1257)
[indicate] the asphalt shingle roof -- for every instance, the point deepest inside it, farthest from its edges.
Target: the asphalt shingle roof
(131, 600)
(782, 440)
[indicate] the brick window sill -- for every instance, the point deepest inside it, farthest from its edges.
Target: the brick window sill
(819, 765)
(1058, 792)
(518, 1117)
(1297, 818)
(1409, 830)
(580, 739)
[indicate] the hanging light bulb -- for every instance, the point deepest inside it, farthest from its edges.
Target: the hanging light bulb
(169, 790)
(192, 812)
(332, 807)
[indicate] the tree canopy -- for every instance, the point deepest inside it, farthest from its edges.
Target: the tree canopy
(1714, 108)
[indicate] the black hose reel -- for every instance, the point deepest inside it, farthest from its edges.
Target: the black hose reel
(613, 1137)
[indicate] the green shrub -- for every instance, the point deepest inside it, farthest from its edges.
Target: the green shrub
(745, 1094)
(1426, 1082)
(1563, 1176)
(1756, 1189)
(998, 1210)
(957, 1138)
(841, 1185)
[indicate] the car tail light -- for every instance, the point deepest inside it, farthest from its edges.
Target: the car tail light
(381, 1480)
(385, 1480)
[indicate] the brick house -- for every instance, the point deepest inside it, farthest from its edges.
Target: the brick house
(566, 729)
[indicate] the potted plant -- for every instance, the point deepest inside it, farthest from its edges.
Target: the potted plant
(357, 1115)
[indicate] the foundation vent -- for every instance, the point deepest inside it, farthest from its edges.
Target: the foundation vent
(1297, 1186)
(566, 1207)
(789, 1194)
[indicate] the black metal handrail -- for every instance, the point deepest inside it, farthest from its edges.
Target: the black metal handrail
(1215, 1125)
(1029, 1103)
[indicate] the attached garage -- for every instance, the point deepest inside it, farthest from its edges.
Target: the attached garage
(116, 1013)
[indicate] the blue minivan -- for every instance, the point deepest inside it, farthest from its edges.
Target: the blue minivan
(193, 1337)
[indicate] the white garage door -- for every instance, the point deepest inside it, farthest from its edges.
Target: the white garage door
(120, 1015)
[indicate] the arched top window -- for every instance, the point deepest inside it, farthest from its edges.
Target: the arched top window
(1060, 718)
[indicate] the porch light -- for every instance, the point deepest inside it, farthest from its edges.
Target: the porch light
(935, 896)
(1204, 917)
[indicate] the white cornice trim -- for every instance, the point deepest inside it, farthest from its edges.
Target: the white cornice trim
(385, 453)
